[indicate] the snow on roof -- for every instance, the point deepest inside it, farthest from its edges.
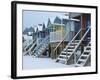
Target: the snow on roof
(26, 37)
(35, 28)
(40, 27)
(63, 17)
(59, 24)
(72, 19)
(67, 18)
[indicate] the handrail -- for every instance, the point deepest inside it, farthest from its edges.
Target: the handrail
(65, 37)
(83, 52)
(73, 38)
(60, 42)
(25, 44)
(29, 50)
(30, 44)
(81, 40)
(42, 42)
(85, 34)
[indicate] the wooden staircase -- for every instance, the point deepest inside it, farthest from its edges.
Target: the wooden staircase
(40, 49)
(85, 56)
(30, 47)
(26, 44)
(67, 54)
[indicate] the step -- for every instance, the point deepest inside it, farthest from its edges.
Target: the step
(64, 56)
(88, 37)
(63, 52)
(83, 60)
(76, 41)
(66, 53)
(70, 50)
(83, 57)
(80, 62)
(71, 47)
(73, 44)
(88, 48)
(87, 51)
(78, 65)
(61, 59)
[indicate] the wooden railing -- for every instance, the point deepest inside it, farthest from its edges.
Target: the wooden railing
(58, 45)
(79, 42)
(60, 42)
(55, 50)
(30, 44)
(74, 37)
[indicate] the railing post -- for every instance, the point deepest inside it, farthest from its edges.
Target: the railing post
(69, 44)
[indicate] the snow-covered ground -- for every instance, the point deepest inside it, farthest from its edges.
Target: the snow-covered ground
(26, 37)
(30, 62)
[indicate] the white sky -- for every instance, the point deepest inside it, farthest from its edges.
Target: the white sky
(33, 18)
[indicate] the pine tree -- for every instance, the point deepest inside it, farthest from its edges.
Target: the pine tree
(37, 29)
(33, 35)
(33, 30)
(49, 22)
(43, 28)
(57, 20)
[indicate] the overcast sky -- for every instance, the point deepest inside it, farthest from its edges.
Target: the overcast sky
(33, 18)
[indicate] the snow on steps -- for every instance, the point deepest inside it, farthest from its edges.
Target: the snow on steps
(83, 60)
